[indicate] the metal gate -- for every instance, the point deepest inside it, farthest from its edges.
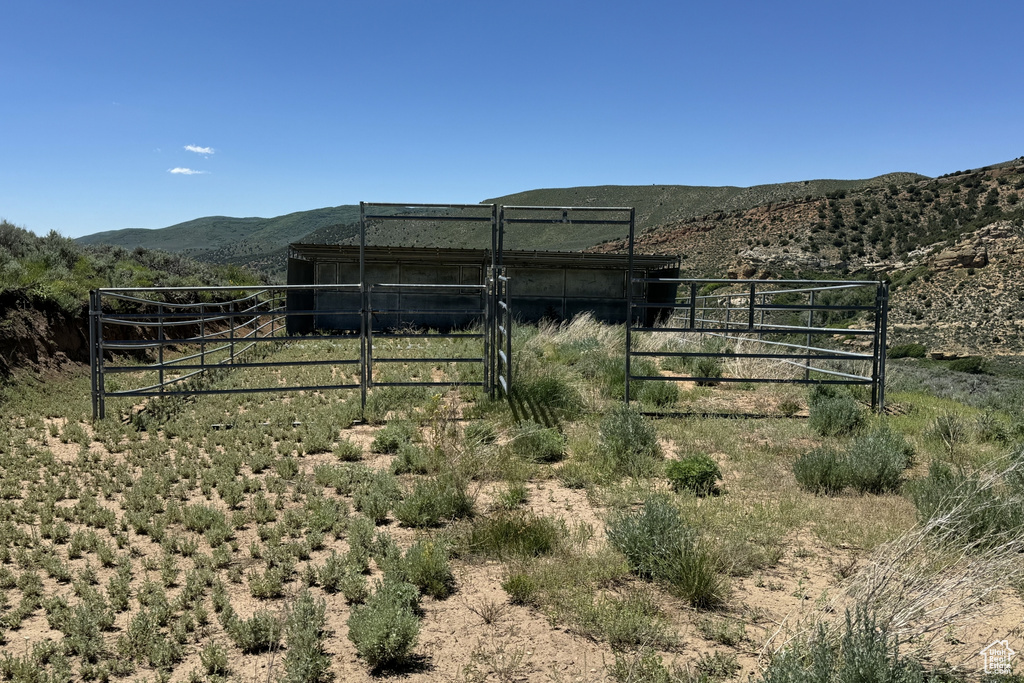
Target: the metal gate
(809, 330)
(166, 341)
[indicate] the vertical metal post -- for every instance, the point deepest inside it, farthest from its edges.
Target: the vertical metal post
(92, 353)
(160, 352)
(629, 304)
(364, 322)
(369, 336)
(728, 311)
(810, 323)
(693, 305)
(100, 380)
(882, 342)
(508, 334)
(202, 335)
(750, 310)
(486, 294)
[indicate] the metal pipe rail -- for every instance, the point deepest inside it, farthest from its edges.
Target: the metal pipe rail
(754, 315)
(226, 331)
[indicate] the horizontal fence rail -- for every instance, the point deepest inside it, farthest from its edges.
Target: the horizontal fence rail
(766, 331)
(151, 342)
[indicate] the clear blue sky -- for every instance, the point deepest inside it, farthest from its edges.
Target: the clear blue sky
(299, 105)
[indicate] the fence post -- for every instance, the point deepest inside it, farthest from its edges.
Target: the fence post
(810, 323)
(160, 338)
(92, 354)
(750, 309)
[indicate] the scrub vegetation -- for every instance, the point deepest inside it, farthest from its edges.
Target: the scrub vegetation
(445, 535)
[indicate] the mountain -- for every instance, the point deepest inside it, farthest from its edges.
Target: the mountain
(952, 247)
(222, 239)
(262, 242)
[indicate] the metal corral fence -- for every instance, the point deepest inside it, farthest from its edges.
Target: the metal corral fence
(169, 341)
(765, 331)
(162, 341)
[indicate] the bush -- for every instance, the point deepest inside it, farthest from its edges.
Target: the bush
(385, 629)
(305, 660)
(872, 463)
(426, 566)
(260, 633)
(391, 436)
(974, 365)
(866, 652)
(978, 512)
(708, 367)
(658, 394)
(833, 413)
(658, 545)
(375, 496)
(434, 501)
(347, 451)
(907, 351)
(630, 441)
(479, 432)
(549, 396)
(411, 459)
(522, 588)
(540, 444)
(696, 473)
(875, 462)
(821, 471)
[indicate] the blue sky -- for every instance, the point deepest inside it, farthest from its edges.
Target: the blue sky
(299, 105)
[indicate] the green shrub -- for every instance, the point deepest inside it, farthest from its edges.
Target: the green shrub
(537, 443)
(974, 365)
(214, 659)
(907, 351)
(875, 462)
(659, 545)
(697, 473)
(260, 633)
(515, 534)
(522, 588)
(385, 629)
(821, 471)
(549, 395)
(866, 652)
(305, 660)
(391, 436)
(433, 501)
(426, 566)
(833, 413)
(975, 511)
(411, 459)
(375, 496)
(625, 622)
(347, 451)
(658, 394)
(708, 367)
(630, 442)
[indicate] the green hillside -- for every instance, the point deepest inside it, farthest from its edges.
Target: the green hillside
(660, 204)
(262, 243)
(224, 239)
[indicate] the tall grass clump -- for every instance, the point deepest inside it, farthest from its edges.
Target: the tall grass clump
(540, 444)
(629, 442)
(514, 534)
(833, 412)
(659, 545)
(435, 501)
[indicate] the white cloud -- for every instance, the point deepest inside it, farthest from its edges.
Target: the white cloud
(185, 171)
(199, 150)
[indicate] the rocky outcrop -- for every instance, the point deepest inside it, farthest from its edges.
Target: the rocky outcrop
(975, 250)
